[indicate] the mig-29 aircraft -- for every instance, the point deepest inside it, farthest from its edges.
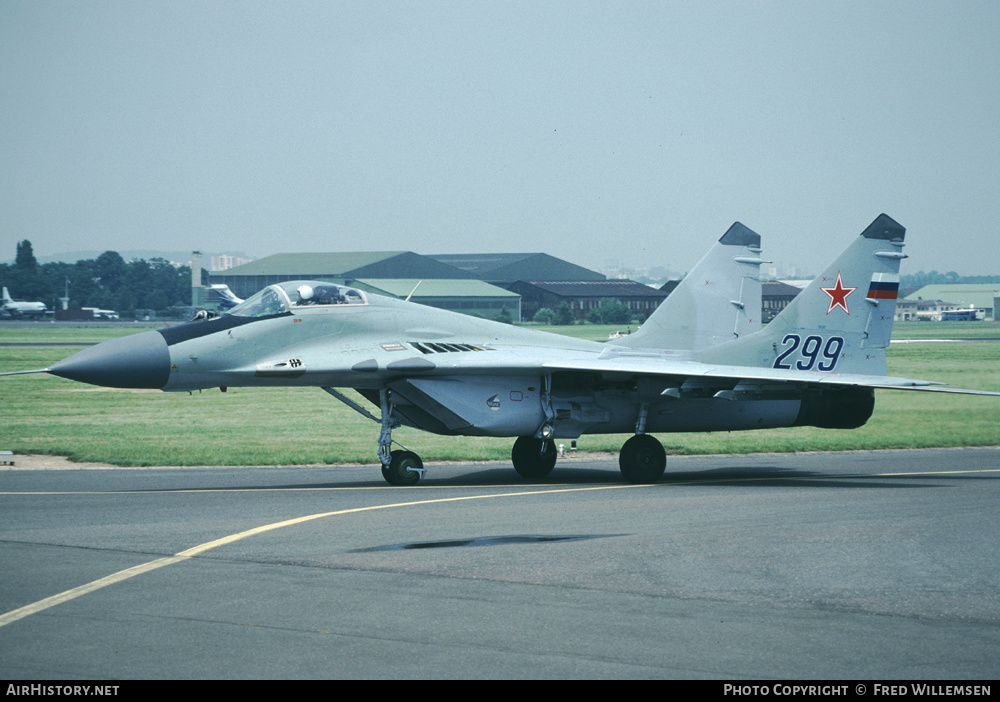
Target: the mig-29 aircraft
(701, 362)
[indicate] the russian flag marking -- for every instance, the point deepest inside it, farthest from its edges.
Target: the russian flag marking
(884, 286)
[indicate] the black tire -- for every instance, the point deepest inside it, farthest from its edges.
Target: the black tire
(398, 472)
(533, 458)
(642, 459)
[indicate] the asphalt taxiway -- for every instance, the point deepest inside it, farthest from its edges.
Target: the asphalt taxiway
(858, 565)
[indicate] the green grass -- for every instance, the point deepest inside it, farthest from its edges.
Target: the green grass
(244, 426)
(594, 332)
(289, 426)
(946, 330)
(61, 333)
(900, 330)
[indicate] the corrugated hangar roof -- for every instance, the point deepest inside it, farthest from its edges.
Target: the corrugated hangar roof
(591, 288)
(479, 263)
(280, 264)
(401, 287)
(517, 266)
(346, 264)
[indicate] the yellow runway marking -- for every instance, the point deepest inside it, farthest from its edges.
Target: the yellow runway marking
(121, 575)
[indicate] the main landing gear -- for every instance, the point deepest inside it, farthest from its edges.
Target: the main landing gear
(533, 458)
(642, 459)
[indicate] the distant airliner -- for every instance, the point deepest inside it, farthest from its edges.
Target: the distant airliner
(18, 308)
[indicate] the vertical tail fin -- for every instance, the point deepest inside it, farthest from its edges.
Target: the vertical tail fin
(6, 295)
(718, 301)
(842, 321)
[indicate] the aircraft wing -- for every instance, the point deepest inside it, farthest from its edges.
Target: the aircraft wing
(683, 370)
(678, 367)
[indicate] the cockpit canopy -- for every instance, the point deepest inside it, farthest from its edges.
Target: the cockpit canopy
(294, 295)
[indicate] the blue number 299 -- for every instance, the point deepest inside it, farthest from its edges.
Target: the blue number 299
(809, 353)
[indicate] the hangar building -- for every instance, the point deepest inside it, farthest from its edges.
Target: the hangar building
(961, 296)
(775, 296)
(478, 284)
(340, 268)
(505, 269)
(585, 295)
(472, 297)
(390, 273)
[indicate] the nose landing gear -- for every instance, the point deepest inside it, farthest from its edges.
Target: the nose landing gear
(398, 467)
(404, 468)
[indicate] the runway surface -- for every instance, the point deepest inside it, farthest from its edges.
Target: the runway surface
(868, 565)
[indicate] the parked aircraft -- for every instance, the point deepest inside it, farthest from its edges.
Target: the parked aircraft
(226, 298)
(18, 308)
(818, 363)
(222, 297)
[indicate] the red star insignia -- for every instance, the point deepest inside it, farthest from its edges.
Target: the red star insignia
(838, 295)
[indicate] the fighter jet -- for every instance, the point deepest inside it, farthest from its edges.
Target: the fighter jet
(818, 363)
(18, 308)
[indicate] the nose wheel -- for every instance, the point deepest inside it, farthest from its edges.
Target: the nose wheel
(404, 468)
(398, 467)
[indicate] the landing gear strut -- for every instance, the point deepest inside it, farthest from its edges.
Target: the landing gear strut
(533, 458)
(398, 467)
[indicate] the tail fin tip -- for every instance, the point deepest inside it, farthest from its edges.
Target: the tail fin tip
(884, 227)
(740, 235)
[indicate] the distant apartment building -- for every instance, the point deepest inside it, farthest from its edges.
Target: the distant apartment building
(223, 262)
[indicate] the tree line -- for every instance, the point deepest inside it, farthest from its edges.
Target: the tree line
(108, 282)
(607, 311)
(920, 279)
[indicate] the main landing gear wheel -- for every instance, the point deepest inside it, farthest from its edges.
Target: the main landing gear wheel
(642, 459)
(403, 469)
(533, 458)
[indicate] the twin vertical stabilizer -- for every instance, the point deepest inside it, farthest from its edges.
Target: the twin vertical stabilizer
(718, 301)
(842, 321)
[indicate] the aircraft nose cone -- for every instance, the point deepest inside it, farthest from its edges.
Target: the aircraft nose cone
(136, 361)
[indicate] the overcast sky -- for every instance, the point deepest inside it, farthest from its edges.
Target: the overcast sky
(594, 131)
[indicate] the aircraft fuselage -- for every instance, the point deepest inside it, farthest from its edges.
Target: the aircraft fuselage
(448, 373)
